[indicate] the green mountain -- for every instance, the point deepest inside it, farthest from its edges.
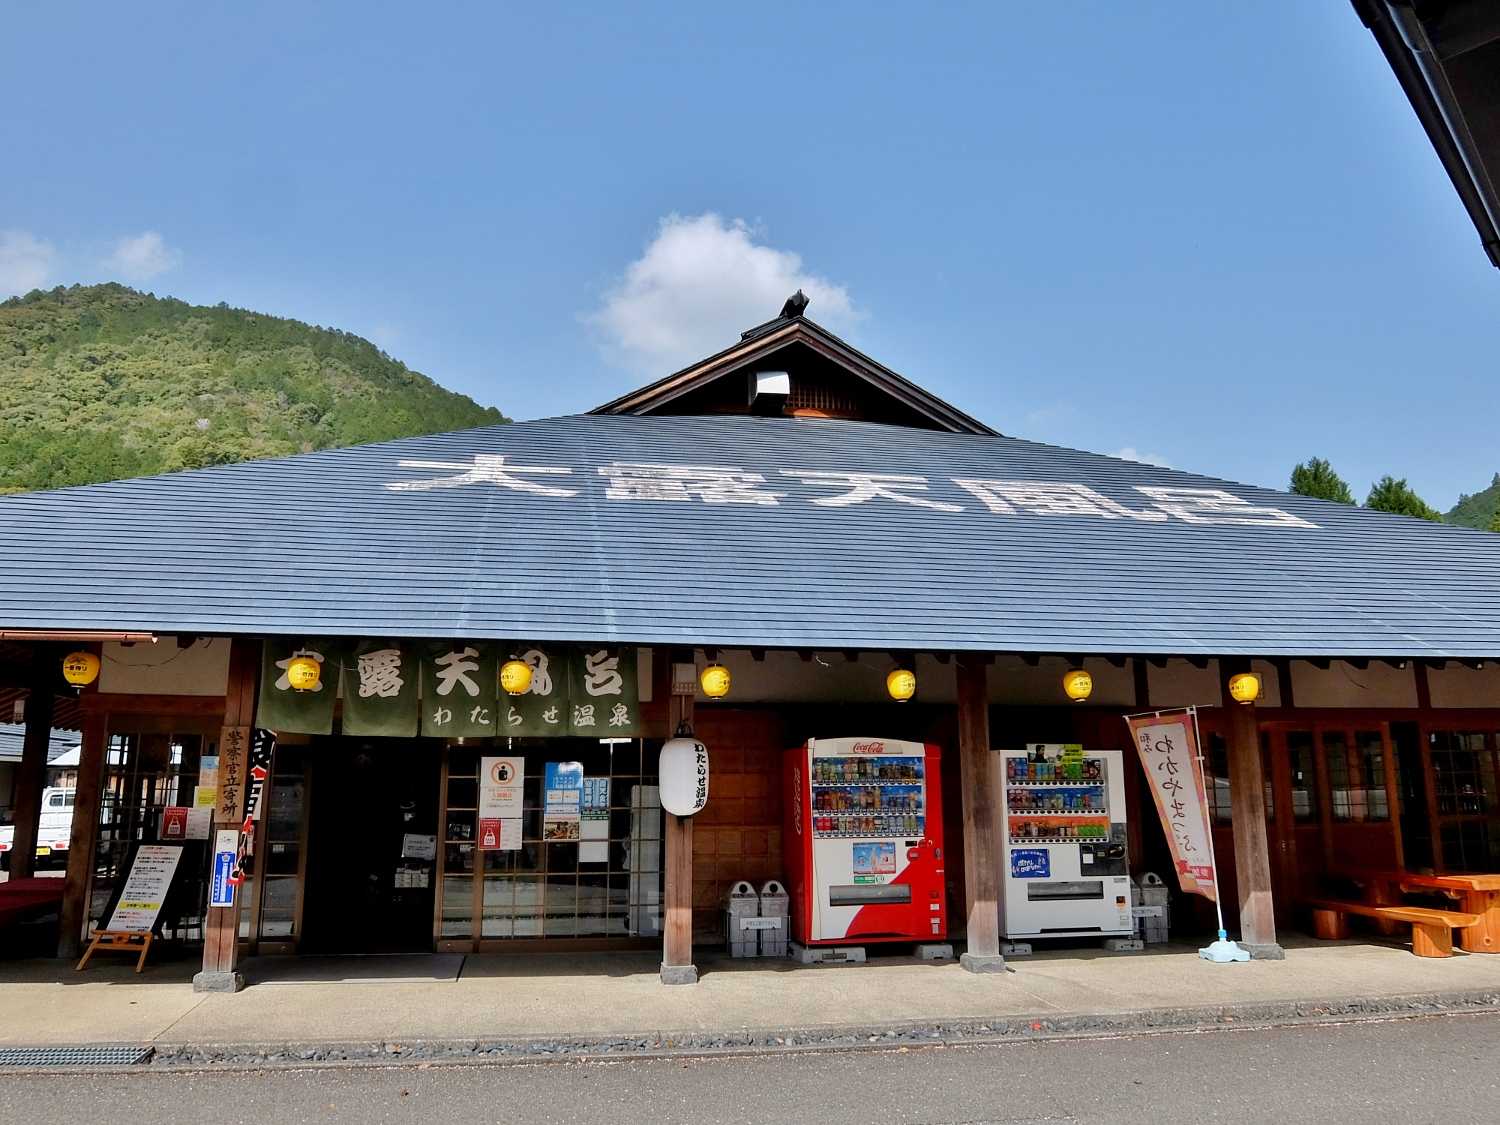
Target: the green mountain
(1478, 510)
(100, 382)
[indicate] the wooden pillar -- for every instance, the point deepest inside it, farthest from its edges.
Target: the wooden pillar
(1247, 806)
(31, 780)
(677, 892)
(84, 836)
(221, 928)
(979, 780)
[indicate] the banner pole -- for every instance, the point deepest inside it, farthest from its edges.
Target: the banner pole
(1212, 856)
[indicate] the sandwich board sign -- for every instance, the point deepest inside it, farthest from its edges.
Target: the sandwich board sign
(145, 889)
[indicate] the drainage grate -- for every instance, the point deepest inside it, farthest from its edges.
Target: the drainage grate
(73, 1056)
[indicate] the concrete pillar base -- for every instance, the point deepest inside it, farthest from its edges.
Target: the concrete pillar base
(679, 974)
(982, 962)
(218, 982)
(1263, 951)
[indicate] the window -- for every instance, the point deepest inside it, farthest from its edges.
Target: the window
(1372, 801)
(55, 801)
(545, 888)
(1217, 780)
(1299, 752)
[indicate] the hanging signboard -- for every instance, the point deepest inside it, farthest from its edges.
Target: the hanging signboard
(501, 784)
(145, 889)
(562, 795)
(593, 821)
(604, 696)
(281, 707)
(380, 690)
(460, 681)
(1168, 746)
(541, 711)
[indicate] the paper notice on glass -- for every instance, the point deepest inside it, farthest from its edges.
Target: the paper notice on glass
(206, 796)
(200, 822)
(510, 835)
(500, 787)
(417, 846)
(562, 793)
(208, 770)
(593, 826)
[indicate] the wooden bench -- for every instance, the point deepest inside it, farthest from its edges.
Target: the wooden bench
(1476, 894)
(1431, 930)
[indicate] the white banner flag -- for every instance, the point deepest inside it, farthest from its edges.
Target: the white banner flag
(1168, 747)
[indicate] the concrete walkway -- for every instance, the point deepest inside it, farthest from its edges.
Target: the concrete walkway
(597, 996)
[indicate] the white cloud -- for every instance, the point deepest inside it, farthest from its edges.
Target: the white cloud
(699, 283)
(1131, 453)
(141, 257)
(25, 262)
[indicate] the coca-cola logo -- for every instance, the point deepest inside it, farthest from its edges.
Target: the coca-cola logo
(868, 748)
(797, 805)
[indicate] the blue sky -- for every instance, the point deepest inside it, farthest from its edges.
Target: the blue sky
(1213, 234)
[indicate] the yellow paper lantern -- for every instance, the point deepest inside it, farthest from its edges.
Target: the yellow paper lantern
(714, 681)
(901, 684)
(1078, 684)
(80, 668)
(1244, 687)
(303, 673)
(515, 677)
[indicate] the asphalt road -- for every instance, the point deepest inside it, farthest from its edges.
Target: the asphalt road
(1439, 1068)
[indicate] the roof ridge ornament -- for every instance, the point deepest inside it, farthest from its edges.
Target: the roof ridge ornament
(796, 305)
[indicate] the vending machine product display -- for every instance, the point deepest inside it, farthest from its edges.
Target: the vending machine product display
(864, 841)
(1066, 870)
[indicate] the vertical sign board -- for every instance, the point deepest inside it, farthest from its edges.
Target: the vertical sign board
(500, 794)
(594, 821)
(226, 855)
(1169, 755)
(145, 889)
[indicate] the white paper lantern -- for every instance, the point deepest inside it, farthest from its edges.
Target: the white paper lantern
(682, 773)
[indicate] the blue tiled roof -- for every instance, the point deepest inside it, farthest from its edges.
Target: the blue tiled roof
(322, 544)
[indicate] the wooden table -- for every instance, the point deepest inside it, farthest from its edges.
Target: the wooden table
(1477, 894)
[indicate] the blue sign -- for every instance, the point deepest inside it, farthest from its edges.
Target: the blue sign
(1030, 863)
(221, 892)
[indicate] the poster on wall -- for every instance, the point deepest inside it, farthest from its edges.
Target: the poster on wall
(145, 889)
(380, 690)
(562, 796)
(283, 708)
(593, 821)
(541, 711)
(1168, 747)
(604, 695)
(501, 785)
(460, 685)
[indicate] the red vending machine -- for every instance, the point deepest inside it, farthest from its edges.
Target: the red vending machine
(864, 842)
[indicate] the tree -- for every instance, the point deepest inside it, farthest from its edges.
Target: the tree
(1495, 521)
(1391, 495)
(1316, 478)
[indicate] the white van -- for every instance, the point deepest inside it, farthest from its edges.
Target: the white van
(53, 833)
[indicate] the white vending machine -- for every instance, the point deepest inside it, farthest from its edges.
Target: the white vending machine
(1066, 868)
